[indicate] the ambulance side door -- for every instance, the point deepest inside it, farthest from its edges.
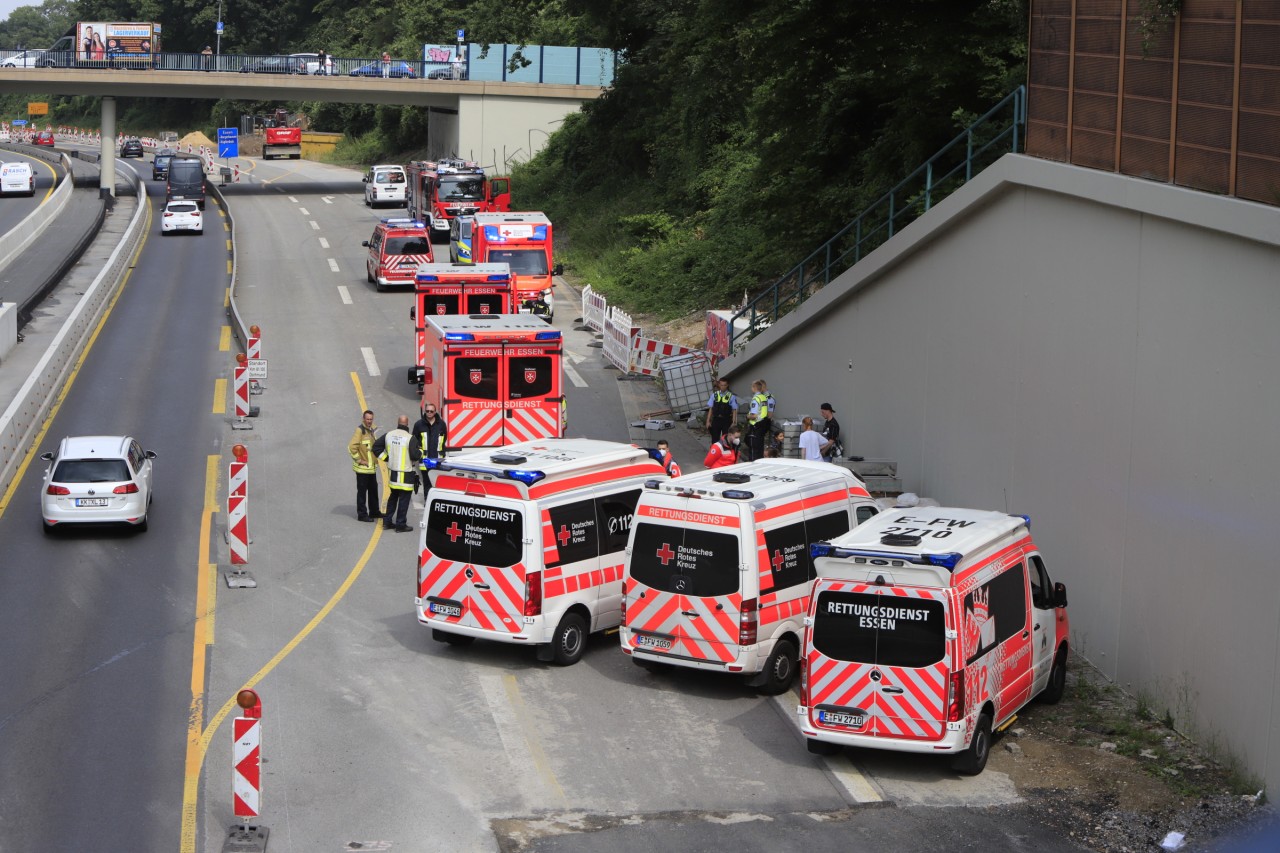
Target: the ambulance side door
(615, 510)
(573, 559)
(532, 385)
(473, 409)
(997, 639)
(1044, 617)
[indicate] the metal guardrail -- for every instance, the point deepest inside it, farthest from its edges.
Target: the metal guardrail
(999, 131)
(274, 64)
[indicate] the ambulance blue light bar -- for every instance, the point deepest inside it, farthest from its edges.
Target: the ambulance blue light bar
(405, 223)
(459, 336)
(428, 278)
(526, 477)
(498, 277)
(547, 336)
(947, 561)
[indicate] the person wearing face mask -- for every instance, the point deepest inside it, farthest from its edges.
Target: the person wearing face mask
(725, 451)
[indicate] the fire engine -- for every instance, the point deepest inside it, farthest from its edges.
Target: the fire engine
(396, 249)
(456, 289)
(522, 240)
(442, 189)
(495, 378)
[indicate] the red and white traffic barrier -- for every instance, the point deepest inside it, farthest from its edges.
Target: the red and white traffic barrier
(235, 169)
(238, 506)
(246, 757)
(649, 354)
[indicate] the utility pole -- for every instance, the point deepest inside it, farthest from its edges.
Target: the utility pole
(218, 50)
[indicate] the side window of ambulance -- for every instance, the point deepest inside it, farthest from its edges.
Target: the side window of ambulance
(528, 376)
(476, 378)
(615, 513)
(823, 528)
(1041, 589)
(788, 555)
(994, 612)
(574, 528)
(865, 513)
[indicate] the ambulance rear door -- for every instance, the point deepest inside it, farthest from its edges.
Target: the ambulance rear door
(471, 570)
(683, 587)
(502, 393)
(878, 660)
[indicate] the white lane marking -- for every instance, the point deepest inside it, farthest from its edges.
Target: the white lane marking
(324, 244)
(292, 199)
(345, 294)
(333, 265)
(574, 357)
(573, 375)
(327, 199)
(303, 211)
(369, 361)
(315, 226)
(855, 783)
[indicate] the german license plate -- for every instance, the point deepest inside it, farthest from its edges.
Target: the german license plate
(838, 718)
(446, 609)
(91, 501)
(644, 641)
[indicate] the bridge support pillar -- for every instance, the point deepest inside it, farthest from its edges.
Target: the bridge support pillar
(107, 179)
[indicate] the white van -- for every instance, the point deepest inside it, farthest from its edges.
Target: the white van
(525, 544)
(930, 627)
(385, 185)
(718, 565)
(17, 178)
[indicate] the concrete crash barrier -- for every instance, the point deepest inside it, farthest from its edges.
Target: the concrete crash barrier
(24, 415)
(22, 235)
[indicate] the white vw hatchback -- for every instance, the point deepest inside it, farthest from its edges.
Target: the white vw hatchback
(97, 479)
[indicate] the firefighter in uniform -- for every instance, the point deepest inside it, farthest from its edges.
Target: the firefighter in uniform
(759, 422)
(401, 454)
(429, 434)
(365, 465)
(722, 409)
(538, 307)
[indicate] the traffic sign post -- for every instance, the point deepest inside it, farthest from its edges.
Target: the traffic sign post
(228, 142)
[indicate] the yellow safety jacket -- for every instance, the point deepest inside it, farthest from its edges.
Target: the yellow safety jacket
(361, 449)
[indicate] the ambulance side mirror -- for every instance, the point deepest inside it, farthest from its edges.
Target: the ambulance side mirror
(364, 243)
(1059, 595)
(365, 179)
(413, 312)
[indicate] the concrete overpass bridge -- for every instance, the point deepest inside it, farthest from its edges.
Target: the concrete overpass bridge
(483, 120)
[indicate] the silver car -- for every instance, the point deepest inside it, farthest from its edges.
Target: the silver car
(97, 479)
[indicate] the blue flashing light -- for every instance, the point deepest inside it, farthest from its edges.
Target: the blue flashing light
(459, 336)
(1027, 519)
(404, 223)
(651, 484)
(821, 549)
(498, 277)
(493, 234)
(540, 232)
(428, 278)
(547, 336)
(737, 495)
(432, 464)
(526, 477)
(946, 561)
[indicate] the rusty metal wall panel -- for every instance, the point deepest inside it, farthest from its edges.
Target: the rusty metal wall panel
(1201, 169)
(1049, 79)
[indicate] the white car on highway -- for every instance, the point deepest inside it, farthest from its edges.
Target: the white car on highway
(181, 216)
(97, 479)
(22, 59)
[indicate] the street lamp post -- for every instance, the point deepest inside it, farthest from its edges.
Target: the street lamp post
(218, 51)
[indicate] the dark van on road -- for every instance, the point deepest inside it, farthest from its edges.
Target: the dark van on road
(186, 180)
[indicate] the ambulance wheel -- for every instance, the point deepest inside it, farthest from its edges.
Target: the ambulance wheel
(1057, 685)
(780, 669)
(570, 639)
(450, 638)
(972, 761)
(821, 747)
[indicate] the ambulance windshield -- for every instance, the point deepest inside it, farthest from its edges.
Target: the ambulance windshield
(689, 562)
(879, 629)
(407, 246)
(522, 261)
(474, 533)
(461, 188)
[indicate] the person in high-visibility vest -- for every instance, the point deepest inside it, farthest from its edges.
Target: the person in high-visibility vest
(398, 450)
(722, 409)
(429, 434)
(759, 418)
(365, 465)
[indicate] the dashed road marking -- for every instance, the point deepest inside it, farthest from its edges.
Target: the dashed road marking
(327, 199)
(292, 199)
(315, 226)
(333, 264)
(370, 361)
(324, 244)
(573, 375)
(304, 211)
(345, 294)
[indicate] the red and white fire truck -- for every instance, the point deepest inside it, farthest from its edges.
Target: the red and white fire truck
(523, 240)
(495, 378)
(439, 190)
(459, 289)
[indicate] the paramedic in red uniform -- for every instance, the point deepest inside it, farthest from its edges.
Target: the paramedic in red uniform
(668, 461)
(725, 451)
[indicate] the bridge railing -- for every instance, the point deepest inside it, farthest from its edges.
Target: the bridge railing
(1000, 130)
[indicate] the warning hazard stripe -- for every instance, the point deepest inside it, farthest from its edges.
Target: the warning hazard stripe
(811, 502)
(782, 610)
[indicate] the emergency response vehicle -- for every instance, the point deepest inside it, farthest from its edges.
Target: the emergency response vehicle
(464, 289)
(396, 250)
(718, 568)
(526, 545)
(523, 240)
(439, 190)
(929, 628)
(494, 378)
(460, 239)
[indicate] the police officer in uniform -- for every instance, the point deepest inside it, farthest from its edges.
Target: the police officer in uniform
(722, 409)
(429, 434)
(401, 454)
(759, 420)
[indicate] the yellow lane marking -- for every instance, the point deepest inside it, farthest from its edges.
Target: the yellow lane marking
(75, 371)
(531, 739)
(55, 180)
(224, 339)
(206, 604)
(287, 174)
(228, 243)
(226, 298)
(198, 741)
(219, 396)
(228, 266)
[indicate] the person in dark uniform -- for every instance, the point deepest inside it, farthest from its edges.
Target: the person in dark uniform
(538, 307)
(429, 433)
(722, 410)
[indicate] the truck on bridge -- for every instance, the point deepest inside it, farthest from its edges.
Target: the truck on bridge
(104, 44)
(440, 190)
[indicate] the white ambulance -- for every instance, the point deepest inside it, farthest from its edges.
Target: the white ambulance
(930, 627)
(718, 566)
(525, 545)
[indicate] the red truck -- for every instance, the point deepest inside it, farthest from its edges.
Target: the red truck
(439, 190)
(282, 142)
(523, 240)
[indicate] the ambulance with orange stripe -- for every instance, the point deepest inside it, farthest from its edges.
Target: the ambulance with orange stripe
(525, 545)
(929, 628)
(718, 567)
(494, 378)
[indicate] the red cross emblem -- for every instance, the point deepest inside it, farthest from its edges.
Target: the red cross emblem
(665, 554)
(454, 532)
(530, 375)
(564, 535)
(484, 309)
(476, 376)
(777, 561)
